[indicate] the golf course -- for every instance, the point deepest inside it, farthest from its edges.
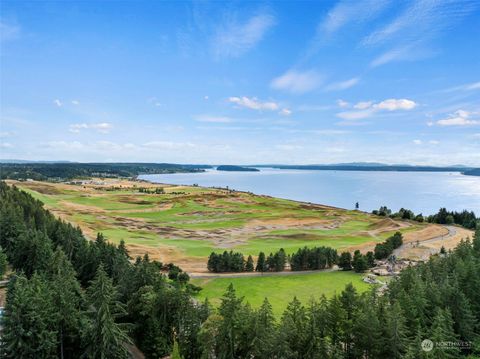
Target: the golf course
(183, 225)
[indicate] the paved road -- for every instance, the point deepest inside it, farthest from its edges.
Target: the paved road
(452, 231)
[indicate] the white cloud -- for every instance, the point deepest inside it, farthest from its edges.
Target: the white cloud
(102, 127)
(75, 102)
(369, 108)
(465, 87)
(434, 142)
(234, 39)
(343, 85)
(297, 81)
(57, 102)
(285, 112)
(213, 119)
(343, 104)
(363, 105)
(395, 104)
(459, 118)
(253, 103)
(346, 12)
(417, 142)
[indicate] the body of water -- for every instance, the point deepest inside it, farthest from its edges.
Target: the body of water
(422, 192)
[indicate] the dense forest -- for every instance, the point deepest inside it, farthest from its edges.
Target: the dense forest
(65, 171)
(69, 297)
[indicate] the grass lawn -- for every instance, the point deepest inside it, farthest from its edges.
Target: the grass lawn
(280, 290)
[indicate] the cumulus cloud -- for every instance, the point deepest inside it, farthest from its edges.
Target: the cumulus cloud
(57, 102)
(459, 118)
(369, 108)
(343, 85)
(297, 81)
(285, 112)
(102, 127)
(75, 102)
(253, 103)
(233, 39)
(342, 103)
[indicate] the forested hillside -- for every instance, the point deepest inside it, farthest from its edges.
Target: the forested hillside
(63, 171)
(69, 297)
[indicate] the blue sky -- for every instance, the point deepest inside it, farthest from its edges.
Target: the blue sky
(241, 82)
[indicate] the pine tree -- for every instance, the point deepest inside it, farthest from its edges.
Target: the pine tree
(395, 328)
(345, 261)
(29, 325)
(249, 266)
(68, 301)
(230, 308)
(261, 263)
(442, 331)
(3, 263)
(264, 331)
(105, 338)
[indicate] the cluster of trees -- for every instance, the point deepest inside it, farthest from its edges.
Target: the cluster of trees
(63, 171)
(229, 262)
(438, 300)
(313, 258)
(360, 262)
(385, 249)
(304, 259)
(70, 297)
(464, 218)
(156, 190)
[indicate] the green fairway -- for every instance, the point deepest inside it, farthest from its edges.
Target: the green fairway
(280, 290)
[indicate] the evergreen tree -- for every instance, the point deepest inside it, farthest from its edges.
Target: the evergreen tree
(261, 263)
(249, 266)
(442, 331)
(345, 261)
(104, 337)
(264, 331)
(68, 302)
(29, 328)
(3, 263)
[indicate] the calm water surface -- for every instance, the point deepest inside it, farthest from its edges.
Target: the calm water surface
(423, 192)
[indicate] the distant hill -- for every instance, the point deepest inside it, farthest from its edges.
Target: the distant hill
(472, 172)
(64, 171)
(236, 168)
(373, 167)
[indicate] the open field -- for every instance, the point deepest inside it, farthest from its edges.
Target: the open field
(185, 224)
(280, 290)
